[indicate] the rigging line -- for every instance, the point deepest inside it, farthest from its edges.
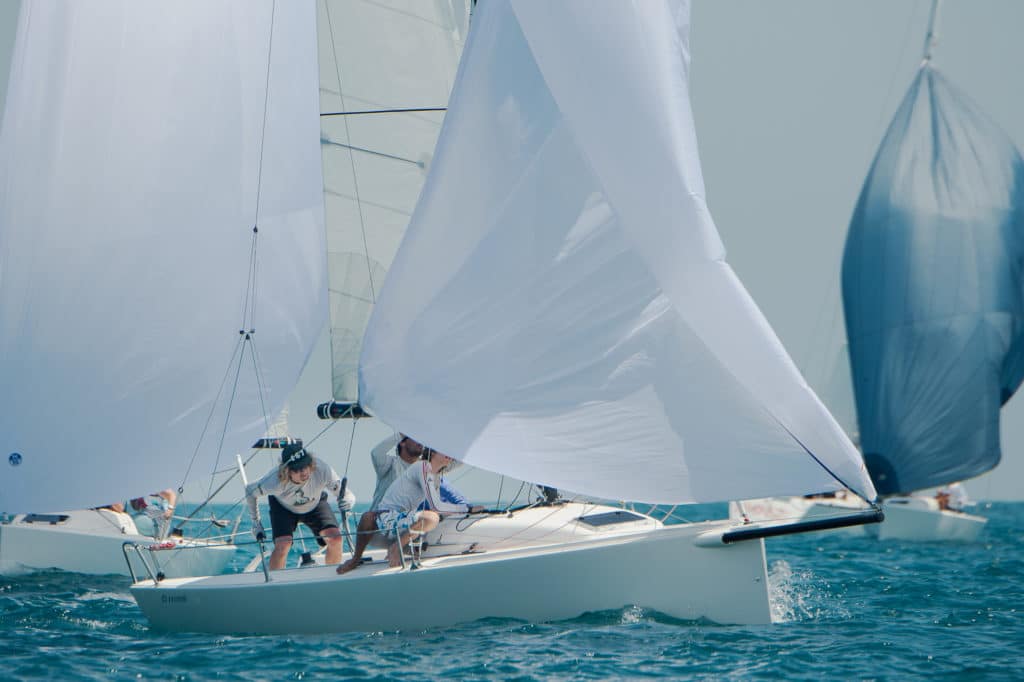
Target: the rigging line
(250, 292)
(345, 294)
(259, 382)
(418, 164)
(232, 473)
(330, 424)
(367, 202)
(249, 305)
(266, 101)
(822, 464)
(251, 284)
(931, 38)
(351, 438)
(519, 492)
(227, 415)
(501, 486)
(508, 538)
(209, 417)
(351, 157)
(381, 111)
(254, 267)
(895, 72)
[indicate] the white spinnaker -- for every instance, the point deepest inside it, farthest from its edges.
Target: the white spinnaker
(133, 155)
(377, 57)
(560, 310)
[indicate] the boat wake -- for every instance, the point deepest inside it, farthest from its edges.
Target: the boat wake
(799, 596)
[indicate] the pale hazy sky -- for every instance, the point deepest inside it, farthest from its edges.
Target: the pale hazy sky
(791, 98)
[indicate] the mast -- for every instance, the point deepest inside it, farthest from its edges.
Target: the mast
(385, 77)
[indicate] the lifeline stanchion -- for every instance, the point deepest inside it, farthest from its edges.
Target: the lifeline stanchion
(259, 541)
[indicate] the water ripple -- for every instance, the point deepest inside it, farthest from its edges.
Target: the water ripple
(844, 607)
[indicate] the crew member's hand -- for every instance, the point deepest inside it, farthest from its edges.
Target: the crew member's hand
(257, 531)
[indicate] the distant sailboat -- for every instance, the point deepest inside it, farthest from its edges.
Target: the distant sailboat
(933, 291)
(155, 163)
(560, 311)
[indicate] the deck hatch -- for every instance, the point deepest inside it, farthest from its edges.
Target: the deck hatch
(610, 518)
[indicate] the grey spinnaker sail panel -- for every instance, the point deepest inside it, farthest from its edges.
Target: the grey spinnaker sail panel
(376, 57)
(933, 290)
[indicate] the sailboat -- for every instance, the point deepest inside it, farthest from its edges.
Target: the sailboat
(154, 164)
(560, 311)
(934, 309)
(934, 303)
(91, 541)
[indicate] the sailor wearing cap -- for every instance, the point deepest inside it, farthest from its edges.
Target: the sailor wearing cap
(297, 491)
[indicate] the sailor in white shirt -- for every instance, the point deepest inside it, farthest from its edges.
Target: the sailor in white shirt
(399, 518)
(297, 491)
(389, 466)
(411, 483)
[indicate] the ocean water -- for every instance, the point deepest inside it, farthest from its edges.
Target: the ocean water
(845, 608)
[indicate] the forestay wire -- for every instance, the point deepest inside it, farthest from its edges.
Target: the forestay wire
(247, 328)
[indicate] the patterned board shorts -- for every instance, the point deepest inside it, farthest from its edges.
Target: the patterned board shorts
(393, 523)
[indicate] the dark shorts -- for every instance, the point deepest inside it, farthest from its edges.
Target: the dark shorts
(283, 522)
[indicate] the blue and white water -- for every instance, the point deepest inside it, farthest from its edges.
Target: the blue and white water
(846, 608)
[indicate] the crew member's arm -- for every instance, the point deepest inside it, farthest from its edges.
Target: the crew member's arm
(450, 494)
(265, 486)
(346, 501)
(382, 461)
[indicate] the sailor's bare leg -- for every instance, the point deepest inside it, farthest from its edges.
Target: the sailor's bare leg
(364, 533)
(333, 538)
(426, 522)
(280, 554)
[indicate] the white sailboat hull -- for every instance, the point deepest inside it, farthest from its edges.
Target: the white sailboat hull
(91, 541)
(915, 518)
(662, 569)
(800, 509)
(919, 518)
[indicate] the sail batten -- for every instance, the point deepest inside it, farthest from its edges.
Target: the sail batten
(385, 75)
(932, 290)
(560, 309)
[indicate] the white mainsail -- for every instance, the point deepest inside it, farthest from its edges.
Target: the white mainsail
(386, 71)
(560, 310)
(141, 144)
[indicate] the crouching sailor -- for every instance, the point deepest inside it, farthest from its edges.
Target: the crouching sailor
(297, 491)
(400, 516)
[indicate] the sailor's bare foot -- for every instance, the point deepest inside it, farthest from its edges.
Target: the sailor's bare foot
(348, 565)
(394, 555)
